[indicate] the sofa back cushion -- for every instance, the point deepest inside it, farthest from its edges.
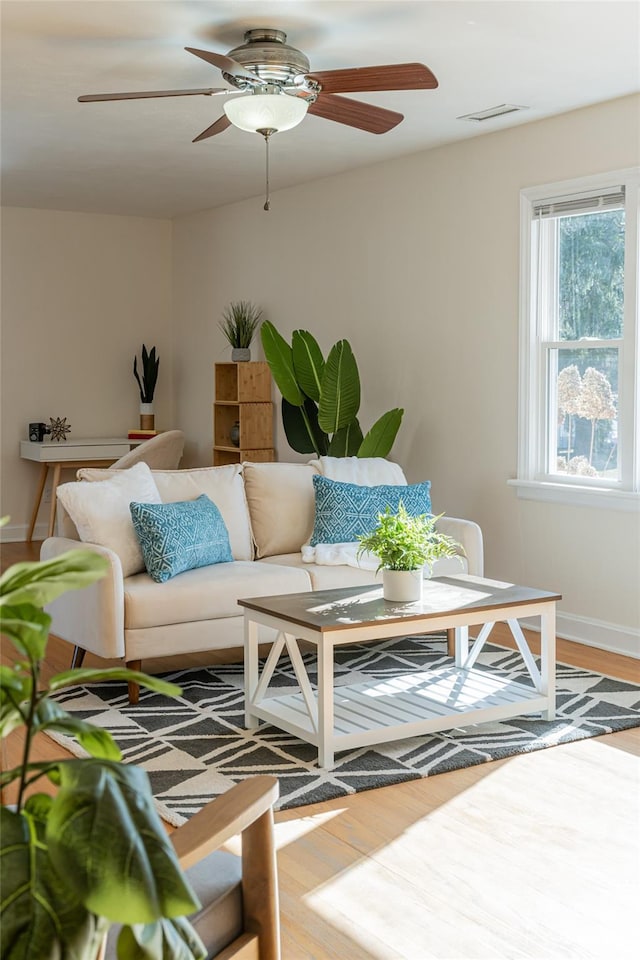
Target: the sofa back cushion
(223, 485)
(281, 505)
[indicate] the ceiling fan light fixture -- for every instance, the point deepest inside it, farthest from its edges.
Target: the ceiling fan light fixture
(266, 111)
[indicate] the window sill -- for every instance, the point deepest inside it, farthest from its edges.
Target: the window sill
(577, 496)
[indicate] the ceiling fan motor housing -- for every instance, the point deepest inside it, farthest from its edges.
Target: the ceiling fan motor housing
(267, 54)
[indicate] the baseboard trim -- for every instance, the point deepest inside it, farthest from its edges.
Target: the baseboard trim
(594, 633)
(17, 532)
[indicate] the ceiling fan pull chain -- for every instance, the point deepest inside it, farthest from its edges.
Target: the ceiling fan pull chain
(267, 202)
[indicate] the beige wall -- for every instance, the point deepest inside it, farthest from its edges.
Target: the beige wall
(80, 294)
(416, 262)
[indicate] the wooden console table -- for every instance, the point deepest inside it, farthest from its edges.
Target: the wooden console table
(91, 452)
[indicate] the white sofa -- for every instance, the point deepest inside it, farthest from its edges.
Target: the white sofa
(268, 509)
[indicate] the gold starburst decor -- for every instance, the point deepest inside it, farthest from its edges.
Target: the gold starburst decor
(59, 428)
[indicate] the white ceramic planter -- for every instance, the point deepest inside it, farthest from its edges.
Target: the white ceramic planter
(402, 586)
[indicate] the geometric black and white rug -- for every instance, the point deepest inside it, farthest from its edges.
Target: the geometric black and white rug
(194, 747)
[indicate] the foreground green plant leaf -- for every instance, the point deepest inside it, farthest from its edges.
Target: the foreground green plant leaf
(71, 678)
(41, 918)
(164, 940)
(106, 839)
(27, 626)
(40, 582)
(95, 740)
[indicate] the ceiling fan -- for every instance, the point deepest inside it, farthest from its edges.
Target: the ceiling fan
(267, 68)
(278, 89)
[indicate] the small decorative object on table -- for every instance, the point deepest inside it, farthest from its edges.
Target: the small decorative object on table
(239, 324)
(38, 431)
(150, 364)
(404, 545)
(58, 428)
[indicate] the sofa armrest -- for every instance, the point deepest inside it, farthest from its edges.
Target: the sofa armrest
(469, 534)
(91, 618)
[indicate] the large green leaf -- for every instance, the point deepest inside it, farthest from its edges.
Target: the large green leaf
(15, 689)
(71, 678)
(173, 939)
(96, 741)
(28, 628)
(279, 356)
(39, 582)
(340, 389)
(381, 436)
(301, 428)
(346, 442)
(308, 363)
(41, 916)
(106, 839)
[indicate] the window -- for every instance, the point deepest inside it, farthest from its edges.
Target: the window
(579, 421)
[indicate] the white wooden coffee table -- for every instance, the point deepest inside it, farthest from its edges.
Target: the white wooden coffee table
(452, 695)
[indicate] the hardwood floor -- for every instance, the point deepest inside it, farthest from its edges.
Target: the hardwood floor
(537, 856)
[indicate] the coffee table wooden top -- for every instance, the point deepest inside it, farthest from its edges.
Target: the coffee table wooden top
(345, 607)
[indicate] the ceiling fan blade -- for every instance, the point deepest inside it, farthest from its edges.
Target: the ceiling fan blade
(143, 94)
(395, 76)
(216, 127)
(364, 116)
(226, 64)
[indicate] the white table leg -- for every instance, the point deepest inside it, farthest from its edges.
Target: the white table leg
(250, 669)
(548, 657)
(462, 645)
(325, 703)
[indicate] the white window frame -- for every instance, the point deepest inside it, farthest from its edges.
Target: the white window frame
(533, 480)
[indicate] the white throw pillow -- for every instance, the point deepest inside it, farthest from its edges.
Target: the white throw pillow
(366, 471)
(101, 513)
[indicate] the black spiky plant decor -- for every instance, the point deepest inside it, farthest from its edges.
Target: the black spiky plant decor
(150, 364)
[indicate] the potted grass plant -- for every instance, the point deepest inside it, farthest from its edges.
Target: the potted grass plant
(240, 321)
(404, 546)
(95, 852)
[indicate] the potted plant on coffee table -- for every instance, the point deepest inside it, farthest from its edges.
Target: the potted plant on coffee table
(95, 852)
(240, 321)
(404, 545)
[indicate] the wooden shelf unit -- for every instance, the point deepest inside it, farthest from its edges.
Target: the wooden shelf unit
(243, 395)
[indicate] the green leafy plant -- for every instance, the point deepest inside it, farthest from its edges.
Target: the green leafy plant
(239, 323)
(95, 852)
(321, 398)
(403, 542)
(150, 364)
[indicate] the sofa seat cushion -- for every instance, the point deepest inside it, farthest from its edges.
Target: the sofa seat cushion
(207, 593)
(330, 576)
(323, 577)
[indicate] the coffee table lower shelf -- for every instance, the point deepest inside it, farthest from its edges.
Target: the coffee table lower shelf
(377, 711)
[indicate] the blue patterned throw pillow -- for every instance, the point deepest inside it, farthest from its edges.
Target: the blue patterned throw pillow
(175, 537)
(344, 511)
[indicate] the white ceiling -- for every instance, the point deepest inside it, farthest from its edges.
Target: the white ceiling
(136, 157)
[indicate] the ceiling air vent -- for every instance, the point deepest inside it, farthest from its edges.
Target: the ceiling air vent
(492, 112)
